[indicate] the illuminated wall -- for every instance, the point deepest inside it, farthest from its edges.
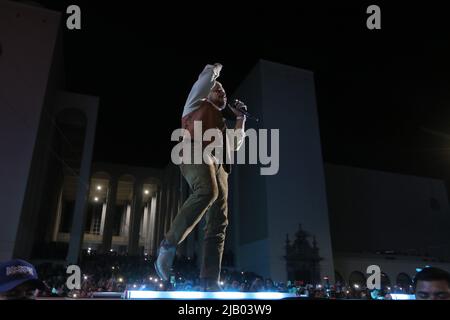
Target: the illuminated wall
(267, 208)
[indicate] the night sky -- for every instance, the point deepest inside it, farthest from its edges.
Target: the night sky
(383, 96)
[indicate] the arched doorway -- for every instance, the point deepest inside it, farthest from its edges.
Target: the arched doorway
(96, 211)
(122, 212)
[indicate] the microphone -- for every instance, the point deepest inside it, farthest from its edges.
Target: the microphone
(244, 112)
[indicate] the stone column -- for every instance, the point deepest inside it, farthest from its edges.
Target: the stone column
(159, 232)
(110, 213)
(144, 227)
(135, 221)
(58, 216)
(152, 246)
(126, 227)
(102, 218)
(82, 197)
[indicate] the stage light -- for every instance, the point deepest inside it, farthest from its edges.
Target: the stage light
(146, 192)
(134, 286)
(151, 279)
(164, 295)
(156, 280)
(111, 250)
(160, 285)
(403, 297)
(85, 277)
(356, 286)
(96, 199)
(190, 295)
(99, 187)
(221, 283)
(120, 279)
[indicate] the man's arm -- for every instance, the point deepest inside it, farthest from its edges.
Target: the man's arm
(202, 87)
(239, 128)
(240, 133)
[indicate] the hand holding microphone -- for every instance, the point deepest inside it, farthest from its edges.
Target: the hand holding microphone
(240, 109)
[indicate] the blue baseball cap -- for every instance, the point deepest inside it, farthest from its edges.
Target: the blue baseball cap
(16, 272)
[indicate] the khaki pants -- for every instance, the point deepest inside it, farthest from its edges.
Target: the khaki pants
(209, 183)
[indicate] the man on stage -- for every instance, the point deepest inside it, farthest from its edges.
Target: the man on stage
(207, 180)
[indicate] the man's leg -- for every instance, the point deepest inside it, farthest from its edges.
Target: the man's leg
(202, 180)
(215, 228)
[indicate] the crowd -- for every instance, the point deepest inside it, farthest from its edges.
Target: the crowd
(119, 273)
